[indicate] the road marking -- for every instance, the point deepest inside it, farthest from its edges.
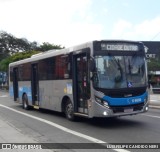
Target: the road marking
(153, 100)
(3, 96)
(151, 116)
(92, 139)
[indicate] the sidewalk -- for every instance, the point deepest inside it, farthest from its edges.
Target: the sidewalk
(154, 101)
(10, 134)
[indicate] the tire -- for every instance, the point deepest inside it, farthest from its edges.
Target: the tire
(69, 112)
(25, 102)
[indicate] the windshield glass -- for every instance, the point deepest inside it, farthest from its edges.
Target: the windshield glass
(119, 72)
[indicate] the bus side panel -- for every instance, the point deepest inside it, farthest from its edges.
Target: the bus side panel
(25, 87)
(51, 93)
(46, 94)
(11, 92)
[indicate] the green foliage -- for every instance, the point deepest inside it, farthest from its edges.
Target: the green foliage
(154, 64)
(4, 64)
(22, 55)
(10, 46)
(47, 46)
(16, 57)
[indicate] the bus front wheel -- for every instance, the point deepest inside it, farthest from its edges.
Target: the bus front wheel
(25, 102)
(69, 111)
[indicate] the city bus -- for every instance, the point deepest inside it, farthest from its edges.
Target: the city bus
(101, 78)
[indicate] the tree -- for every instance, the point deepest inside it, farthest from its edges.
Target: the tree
(154, 64)
(16, 57)
(9, 44)
(47, 46)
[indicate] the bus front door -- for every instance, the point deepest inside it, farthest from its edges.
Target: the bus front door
(35, 85)
(81, 83)
(15, 83)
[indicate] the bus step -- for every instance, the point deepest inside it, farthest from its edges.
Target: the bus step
(36, 107)
(81, 114)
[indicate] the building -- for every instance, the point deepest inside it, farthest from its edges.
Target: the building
(153, 56)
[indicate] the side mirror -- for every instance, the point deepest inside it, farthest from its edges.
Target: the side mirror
(92, 65)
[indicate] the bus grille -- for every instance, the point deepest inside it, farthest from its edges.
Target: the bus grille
(122, 93)
(118, 109)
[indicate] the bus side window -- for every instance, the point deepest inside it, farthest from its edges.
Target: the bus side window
(62, 70)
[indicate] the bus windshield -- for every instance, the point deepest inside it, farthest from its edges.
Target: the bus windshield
(114, 72)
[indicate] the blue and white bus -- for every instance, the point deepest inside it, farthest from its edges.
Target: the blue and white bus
(106, 78)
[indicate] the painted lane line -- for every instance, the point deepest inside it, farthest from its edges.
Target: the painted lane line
(92, 139)
(3, 96)
(151, 116)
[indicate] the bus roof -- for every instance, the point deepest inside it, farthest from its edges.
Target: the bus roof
(51, 53)
(64, 51)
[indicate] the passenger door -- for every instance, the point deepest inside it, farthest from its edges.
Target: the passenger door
(35, 84)
(81, 82)
(15, 83)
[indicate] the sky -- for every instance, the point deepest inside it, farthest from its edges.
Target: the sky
(71, 22)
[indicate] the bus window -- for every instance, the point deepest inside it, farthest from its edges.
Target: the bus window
(62, 67)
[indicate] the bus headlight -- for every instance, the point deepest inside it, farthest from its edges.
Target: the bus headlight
(105, 103)
(98, 100)
(105, 113)
(102, 102)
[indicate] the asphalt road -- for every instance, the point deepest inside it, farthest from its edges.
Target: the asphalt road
(52, 127)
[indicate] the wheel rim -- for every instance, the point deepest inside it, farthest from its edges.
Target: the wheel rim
(69, 111)
(25, 105)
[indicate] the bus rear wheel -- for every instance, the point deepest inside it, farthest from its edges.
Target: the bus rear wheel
(69, 111)
(25, 102)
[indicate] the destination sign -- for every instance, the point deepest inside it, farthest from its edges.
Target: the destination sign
(119, 47)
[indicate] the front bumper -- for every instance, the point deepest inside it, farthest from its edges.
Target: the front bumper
(101, 111)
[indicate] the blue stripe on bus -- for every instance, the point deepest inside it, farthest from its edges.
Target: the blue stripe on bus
(22, 90)
(125, 101)
(26, 90)
(11, 91)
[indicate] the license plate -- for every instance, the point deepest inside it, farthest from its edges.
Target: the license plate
(128, 110)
